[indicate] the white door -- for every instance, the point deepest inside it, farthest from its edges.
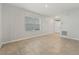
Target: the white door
(58, 26)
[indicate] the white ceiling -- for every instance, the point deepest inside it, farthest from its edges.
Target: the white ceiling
(52, 10)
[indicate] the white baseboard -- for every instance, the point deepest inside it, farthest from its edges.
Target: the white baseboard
(69, 37)
(24, 38)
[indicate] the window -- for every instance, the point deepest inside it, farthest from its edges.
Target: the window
(32, 24)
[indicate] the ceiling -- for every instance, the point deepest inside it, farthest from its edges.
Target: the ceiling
(52, 9)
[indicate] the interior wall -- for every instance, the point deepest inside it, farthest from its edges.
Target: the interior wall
(13, 23)
(70, 23)
(0, 23)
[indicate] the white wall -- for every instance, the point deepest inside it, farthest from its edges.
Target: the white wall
(0, 23)
(13, 23)
(70, 20)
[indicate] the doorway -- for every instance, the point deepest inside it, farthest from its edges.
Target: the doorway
(57, 26)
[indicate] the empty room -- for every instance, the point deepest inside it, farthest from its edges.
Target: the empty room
(39, 28)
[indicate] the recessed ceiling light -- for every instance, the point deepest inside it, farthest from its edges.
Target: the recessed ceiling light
(46, 5)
